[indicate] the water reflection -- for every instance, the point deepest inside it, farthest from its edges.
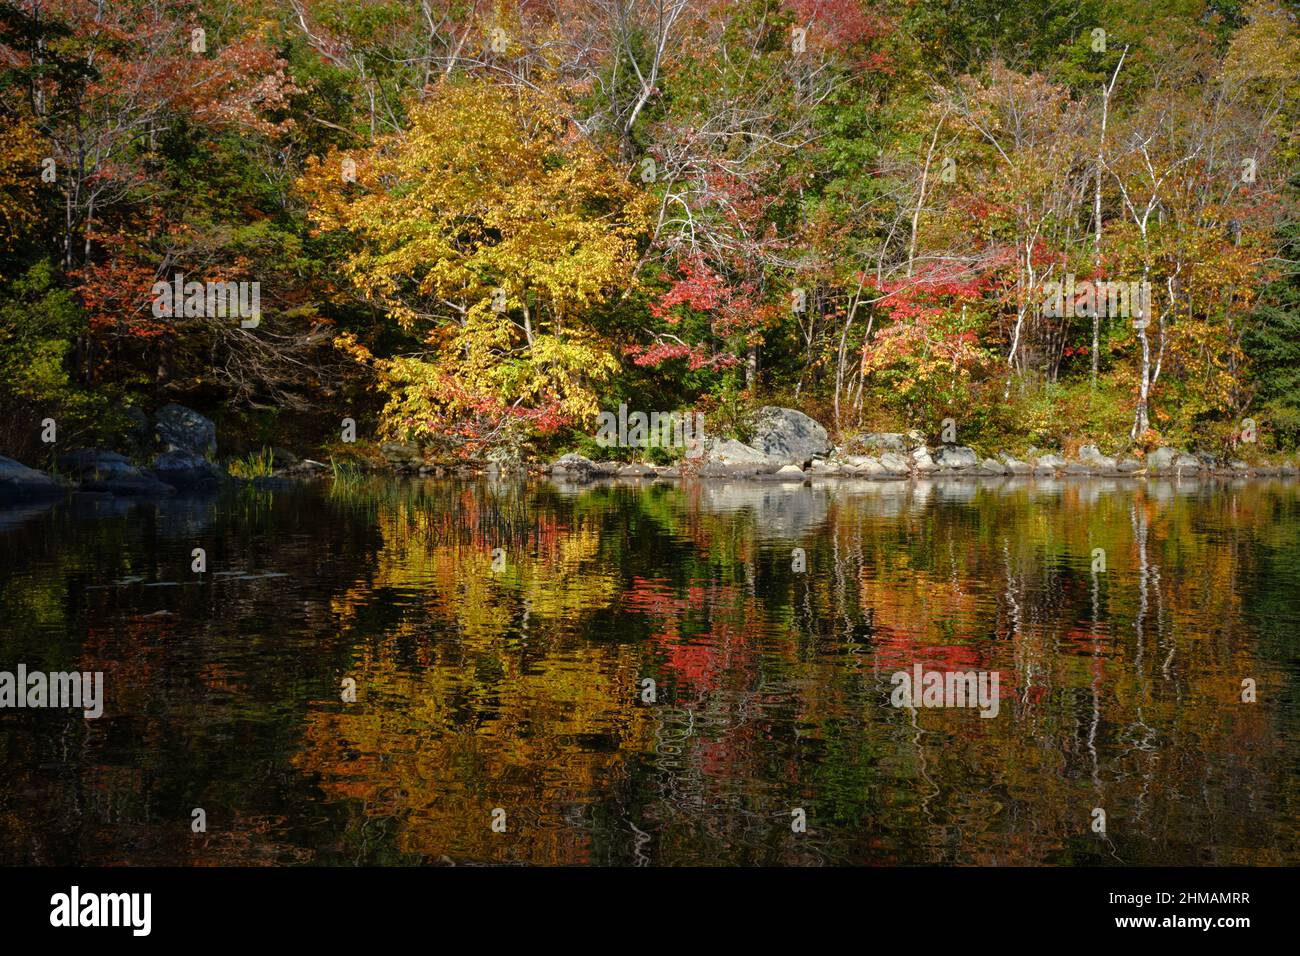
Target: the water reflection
(519, 685)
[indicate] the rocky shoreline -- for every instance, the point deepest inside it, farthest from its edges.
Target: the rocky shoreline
(787, 446)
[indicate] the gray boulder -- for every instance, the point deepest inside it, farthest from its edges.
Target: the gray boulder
(894, 464)
(883, 441)
(788, 436)
(956, 456)
(1127, 466)
(1160, 460)
(402, 454)
(107, 471)
(1054, 462)
(636, 471)
(922, 462)
(994, 467)
(1091, 456)
(181, 469)
(20, 483)
(1014, 465)
(183, 429)
(728, 458)
(574, 467)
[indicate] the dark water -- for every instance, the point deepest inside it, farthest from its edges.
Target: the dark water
(520, 689)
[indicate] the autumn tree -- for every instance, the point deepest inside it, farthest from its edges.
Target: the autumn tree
(491, 232)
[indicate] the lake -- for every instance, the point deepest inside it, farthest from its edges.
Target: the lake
(652, 674)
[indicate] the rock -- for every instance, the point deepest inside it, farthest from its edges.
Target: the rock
(1288, 468)
(672, 471)
(181, 469)
(183, 429)
(883, 441)
(789, 436)
(1014, 465)
(1054, 462)
(1127, 466)
(894, 464)
(789, 471)
(863, 466)
(728, 451)
(636, 470)
(922, 463)
(994, 467)
(283, 458)
(107, 471)
(1044, 471)
(1238, 465)
(1160, 460)
(956, 456)
(574, 467)
(20, 483)
(1187, 464)
(1091, 456)
(402, 454)
(821, 467)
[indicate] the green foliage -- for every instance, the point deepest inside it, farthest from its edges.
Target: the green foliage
(40, 324)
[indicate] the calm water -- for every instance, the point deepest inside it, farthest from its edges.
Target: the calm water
(520, 689)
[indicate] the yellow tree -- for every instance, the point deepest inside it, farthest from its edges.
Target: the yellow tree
(492, 230)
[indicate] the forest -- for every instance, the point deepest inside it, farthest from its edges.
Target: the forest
(476, 226)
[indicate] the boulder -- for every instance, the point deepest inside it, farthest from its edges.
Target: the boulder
(821, 467)
(1161, 460)
(1054, 462)
(1014, 465)
(994, 467)
(107, 471)
(1187, 464)
(402, 454)
(181, 469)
(636, 470)
(789, 436)
(1127, 466)
(20, 483)
(729, 452)
(956, 456)
(790, 471)
(922, 463)
(894, 464)
(574, 467)
(1091, 456)
(863, 466)
(883, 441)
(283, 458)
(183, 429)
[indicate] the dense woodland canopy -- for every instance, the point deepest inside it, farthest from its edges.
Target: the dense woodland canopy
(476, 224)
